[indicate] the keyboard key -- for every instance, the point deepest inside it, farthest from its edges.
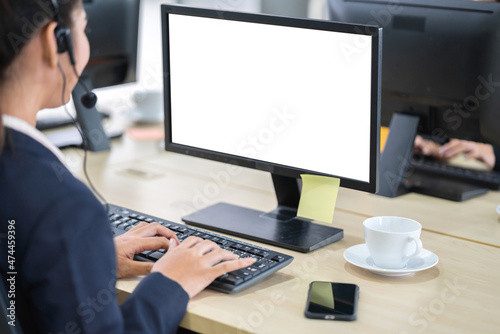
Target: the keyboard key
(246, 249)
(114, 217)
(245, 274)
(221, 277)
(261, 266)
(155, 255)
(278, 258)
(123, 226)
(116, 223)
(270, 263)
(232, 279)
(253, 270)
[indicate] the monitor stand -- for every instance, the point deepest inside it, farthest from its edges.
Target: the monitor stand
(280, 227)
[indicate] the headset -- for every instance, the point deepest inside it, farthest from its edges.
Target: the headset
(89, 99)
(65, 44)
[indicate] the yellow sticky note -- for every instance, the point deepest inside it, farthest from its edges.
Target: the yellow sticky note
(318, 197)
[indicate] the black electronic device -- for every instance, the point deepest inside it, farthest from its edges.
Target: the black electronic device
(484, 178)
(112, 30)
(442, 186)
(282, 95)
(267, 261)
(440, 62)
(332, 301)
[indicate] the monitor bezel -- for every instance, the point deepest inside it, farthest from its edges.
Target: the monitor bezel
(374, 32)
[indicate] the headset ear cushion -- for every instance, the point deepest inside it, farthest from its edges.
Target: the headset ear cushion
(61, 38)
(64, 42)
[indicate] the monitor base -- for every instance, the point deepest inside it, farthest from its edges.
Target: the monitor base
(297, 234)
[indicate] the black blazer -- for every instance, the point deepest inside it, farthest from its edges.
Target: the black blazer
(63, 260)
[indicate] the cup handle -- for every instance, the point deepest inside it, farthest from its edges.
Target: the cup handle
(418, 244)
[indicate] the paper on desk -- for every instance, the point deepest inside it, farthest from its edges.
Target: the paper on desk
(318, 197)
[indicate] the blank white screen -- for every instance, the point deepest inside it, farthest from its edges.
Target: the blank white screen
(290, 96)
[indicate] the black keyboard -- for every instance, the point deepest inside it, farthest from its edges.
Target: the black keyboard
(268, 261)
(482, 178)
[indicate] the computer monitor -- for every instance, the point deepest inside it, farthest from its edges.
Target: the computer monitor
(281, 95)
(441, 62)
(112, 31)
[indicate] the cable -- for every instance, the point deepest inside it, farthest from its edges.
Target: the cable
(84, 138)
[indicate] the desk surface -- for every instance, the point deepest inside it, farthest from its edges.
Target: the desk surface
(460, 294)
(475, 219)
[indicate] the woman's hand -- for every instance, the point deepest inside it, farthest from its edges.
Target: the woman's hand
(426, 147)
(144, 236)
(195, 263)
(472, 150)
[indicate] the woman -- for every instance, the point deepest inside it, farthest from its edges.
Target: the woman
(64, 262)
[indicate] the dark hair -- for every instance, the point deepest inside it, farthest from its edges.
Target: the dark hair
(19, 20)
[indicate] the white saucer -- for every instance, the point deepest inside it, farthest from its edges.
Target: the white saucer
(360, 256)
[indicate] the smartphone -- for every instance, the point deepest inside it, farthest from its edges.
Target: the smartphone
(332, 301)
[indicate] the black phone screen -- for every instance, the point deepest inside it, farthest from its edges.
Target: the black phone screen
(329, 300)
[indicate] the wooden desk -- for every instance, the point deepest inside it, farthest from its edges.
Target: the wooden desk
(461, 294)
(475, 219)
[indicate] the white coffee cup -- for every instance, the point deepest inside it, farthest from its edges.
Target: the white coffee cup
(392, 241)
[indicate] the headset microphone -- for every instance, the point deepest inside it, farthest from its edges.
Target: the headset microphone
(89, 99)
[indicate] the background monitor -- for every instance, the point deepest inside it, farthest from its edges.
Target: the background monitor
(281, 95)
(441, 61)
(112, 30)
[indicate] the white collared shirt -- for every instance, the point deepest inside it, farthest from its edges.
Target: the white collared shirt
(22, 126)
